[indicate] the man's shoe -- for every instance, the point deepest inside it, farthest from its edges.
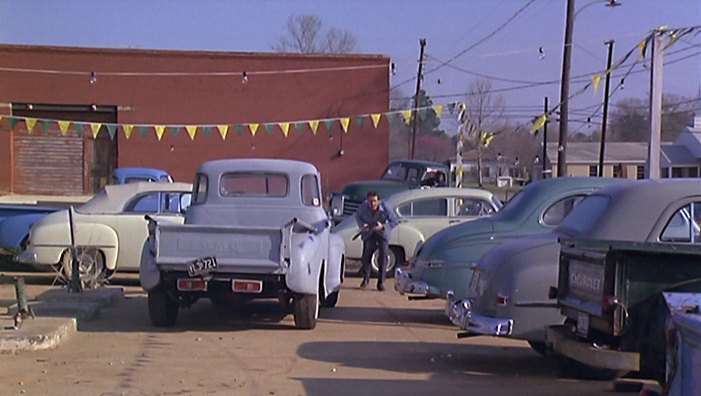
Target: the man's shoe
(380, 287)
(364, 283)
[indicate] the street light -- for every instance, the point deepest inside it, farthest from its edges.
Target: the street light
(565, 81)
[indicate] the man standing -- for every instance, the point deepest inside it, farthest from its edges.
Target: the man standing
(376, 221)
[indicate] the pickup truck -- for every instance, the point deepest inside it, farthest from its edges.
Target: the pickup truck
(256, 228)
(400, 175)
(611, 293)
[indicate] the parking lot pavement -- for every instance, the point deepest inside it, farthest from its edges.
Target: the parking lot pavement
(371, 343)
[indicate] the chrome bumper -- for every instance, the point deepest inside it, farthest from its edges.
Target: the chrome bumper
(26, 257)
(403, 283)
(461, 314)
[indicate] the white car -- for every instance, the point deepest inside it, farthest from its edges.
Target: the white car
(421, 213)
(110, 229)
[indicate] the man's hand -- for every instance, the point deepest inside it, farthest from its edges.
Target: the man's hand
(379, 227)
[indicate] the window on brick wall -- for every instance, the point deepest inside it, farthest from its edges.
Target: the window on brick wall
(640, 172)
(592, 170)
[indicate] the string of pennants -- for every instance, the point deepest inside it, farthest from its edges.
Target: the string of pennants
(160, 130)
(673, 36)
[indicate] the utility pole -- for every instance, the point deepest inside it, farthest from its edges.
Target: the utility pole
(607, 85)
(545, 136)
(653, 153)
(565, 92)
(419, 77)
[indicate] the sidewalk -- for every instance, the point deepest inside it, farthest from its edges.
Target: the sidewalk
(58, 316)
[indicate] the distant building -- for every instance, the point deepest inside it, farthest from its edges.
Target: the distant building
(170, 90)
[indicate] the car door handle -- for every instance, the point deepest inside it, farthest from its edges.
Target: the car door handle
(454, 221)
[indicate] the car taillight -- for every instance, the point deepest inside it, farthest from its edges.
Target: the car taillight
(502, 300)
(192, 285)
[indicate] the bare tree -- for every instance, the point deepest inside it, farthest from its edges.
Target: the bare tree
(304, 35)
(483, 113)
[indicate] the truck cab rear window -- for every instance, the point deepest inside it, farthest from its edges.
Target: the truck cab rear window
(253, 185)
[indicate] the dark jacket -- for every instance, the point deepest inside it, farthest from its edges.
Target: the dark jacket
(383, 215)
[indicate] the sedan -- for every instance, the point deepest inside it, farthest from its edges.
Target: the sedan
(421, 213)
(445, 261)
(509, 291)
(109, 229)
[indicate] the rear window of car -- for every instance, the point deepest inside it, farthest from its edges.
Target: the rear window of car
(200, 190)
(581, 221)
(254, 184)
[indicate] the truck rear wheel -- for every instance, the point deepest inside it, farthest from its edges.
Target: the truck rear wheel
(162, 309)
(306, 310)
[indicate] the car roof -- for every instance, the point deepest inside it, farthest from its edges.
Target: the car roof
(402, 196)
(634, 209)
(135, 170)
(291, 167)
(113, 198)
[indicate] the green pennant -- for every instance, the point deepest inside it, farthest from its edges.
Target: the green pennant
(329, 125)
(360, 121)
(422, 114)
(207, 131)
(13, 122)
(47, 126)
(391, 117)
(79, 129)
(451, 107)
(299, 127)
(269, 128)
(143, 130)
(239, 129)
(112, 130)
(175, 130)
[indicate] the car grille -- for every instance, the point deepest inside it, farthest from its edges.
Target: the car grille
(349, 206)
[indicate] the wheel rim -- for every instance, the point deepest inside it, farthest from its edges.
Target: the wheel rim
(391, 261)
(91, 266)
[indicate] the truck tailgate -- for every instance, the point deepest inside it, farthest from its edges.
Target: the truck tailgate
(236, 249)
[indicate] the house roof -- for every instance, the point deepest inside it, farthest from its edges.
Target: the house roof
(615, 152)
(676, 155)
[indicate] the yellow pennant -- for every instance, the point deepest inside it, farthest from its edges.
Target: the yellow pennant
(596, 79)
(407, 116)
(344, 123)
(314, 126)
(438, 109)
(376, 119)
(223, 131)
(63, 126)
(538, 124)
(285, 127)
(127, 128)
(191, 130)
(159, 131)
(95, 129)
(30, 124)
(253, 128)
(643, 47)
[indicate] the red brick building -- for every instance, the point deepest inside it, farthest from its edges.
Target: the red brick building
(175, 89)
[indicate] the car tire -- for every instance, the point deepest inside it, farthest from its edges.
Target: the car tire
(91, 266)
(331, 300)
(162, 308)
(306, 310)
(396, 257)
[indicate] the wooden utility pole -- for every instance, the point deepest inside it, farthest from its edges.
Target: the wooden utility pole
(545, 137)
(604, 121)
(414, 115)
(652, 171)
(565, 92)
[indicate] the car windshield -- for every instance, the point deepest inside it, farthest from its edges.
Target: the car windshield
(581, 221)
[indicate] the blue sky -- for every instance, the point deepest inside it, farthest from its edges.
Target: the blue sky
(393, 28)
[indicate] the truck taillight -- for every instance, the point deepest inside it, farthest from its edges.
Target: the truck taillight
(609, 303)
(192, 285)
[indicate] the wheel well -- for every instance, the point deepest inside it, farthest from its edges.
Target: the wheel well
(322, 279)
(401, 256)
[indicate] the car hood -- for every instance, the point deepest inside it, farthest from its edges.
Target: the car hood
(358, 190)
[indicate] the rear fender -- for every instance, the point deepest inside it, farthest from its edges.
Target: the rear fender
(101, 237)
(305, 263)
(149, 274)
(334, 270)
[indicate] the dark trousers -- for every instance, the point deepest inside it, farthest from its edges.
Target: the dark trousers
(370, 245)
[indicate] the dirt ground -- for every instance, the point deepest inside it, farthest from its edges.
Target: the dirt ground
(371, 343)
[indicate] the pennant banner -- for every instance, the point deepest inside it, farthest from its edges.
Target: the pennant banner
(160, 129)
(191, 131)
(223, 131)
(127, 130)
(63, 127)
(344, 124)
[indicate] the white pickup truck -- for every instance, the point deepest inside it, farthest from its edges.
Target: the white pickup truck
(256, 229)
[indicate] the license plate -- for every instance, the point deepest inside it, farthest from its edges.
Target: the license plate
(582, 324)
(201, 266)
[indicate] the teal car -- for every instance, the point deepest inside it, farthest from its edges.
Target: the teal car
(446, 260)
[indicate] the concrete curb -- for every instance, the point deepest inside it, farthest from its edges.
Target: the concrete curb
(35, 334)
(104, 297)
